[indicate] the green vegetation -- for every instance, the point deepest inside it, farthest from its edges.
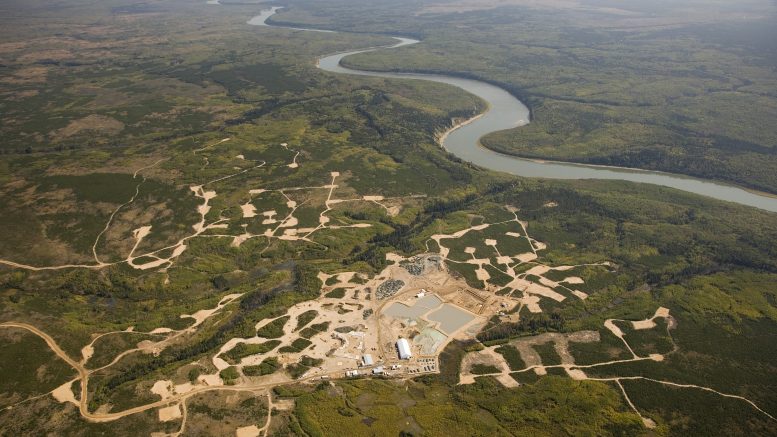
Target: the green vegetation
(273, 329)
(298, 345)
(601, 90)
(298, 369)
(29, 366)
(84, 106)
(484, 408)
(229, 375)
(305, 318)
(547, 353)
(337, 293)
(314, 329)
(266, 367)
(512, 356)
(484, 369)
(234, 355)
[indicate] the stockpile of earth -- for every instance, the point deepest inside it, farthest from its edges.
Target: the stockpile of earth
(389, 288)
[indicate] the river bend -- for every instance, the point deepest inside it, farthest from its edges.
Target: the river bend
(505, 111)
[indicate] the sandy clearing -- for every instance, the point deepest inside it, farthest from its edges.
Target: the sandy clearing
(538, 270)
(183, 388)
(576, 374)
(393, 257)
(139, 234)
(211, 380)
(87, 352)
(662, 312)
(573, 280)
(249, 210)
(613, 328)
(247, 431)
(507, 380)
(163, 388)
(172, 412)
(532, 288)
(643, 324)
(580, 294)
(526, 257)
(64, 393)
(161, 331)
(545, 292)
(548, 283)
(506, 260)
(532, 303)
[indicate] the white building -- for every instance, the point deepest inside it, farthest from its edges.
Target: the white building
(367, 360)
(378, 370)
(404, 349)
(351, 373)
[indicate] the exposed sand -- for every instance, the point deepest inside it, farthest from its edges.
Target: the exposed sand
(644, 324)
(248, 209)
(573, 280)
(576, 374)
(613, 328)
(482, 274)
(580, 294)
(211, 380)
(247, 431)
(163, 388)
(64, 393)
(526, 257)
(87, 352)
(507, 380)
(172, 412)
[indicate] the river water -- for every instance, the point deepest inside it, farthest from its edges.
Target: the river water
(506, 112)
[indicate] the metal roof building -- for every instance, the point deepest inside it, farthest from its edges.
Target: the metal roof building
(404, 349)
(367, 360)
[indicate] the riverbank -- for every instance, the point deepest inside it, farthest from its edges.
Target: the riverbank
(507, 112)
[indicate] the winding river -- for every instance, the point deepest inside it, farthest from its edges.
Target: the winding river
(506, 112)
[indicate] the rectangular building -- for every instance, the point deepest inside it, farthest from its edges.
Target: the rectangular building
(403, 346)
